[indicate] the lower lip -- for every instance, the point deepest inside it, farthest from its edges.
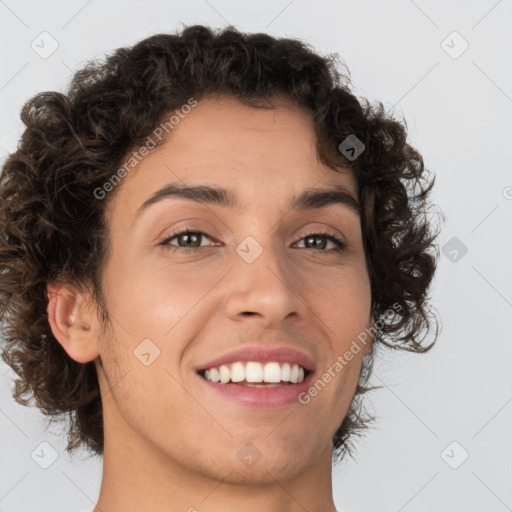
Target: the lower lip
(261, 397)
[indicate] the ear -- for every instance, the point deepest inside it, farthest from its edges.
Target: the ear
(74, 322)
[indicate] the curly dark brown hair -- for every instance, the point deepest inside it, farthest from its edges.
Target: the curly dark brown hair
(53, 228)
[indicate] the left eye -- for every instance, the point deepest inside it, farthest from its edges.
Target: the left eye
(340, 245)
(195, 237)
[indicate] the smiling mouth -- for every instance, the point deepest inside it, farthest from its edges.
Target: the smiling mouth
(255, 374)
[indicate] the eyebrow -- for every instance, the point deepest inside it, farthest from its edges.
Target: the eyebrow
(309, 199)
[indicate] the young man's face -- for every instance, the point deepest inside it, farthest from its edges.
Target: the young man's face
(301, 292)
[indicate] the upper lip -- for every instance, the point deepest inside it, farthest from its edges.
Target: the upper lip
(261, 354)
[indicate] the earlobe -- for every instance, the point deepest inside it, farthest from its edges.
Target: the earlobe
(72, 323)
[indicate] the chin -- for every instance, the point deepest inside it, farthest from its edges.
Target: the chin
(264, 463)
(264, 472)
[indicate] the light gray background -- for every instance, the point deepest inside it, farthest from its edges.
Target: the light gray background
(458, 111)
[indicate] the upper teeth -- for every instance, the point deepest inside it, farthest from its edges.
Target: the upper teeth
(256, 372)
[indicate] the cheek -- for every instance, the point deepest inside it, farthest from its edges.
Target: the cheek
(154, 311)
(150, 300)
(142, 384)
(342, 303)
(341, 297)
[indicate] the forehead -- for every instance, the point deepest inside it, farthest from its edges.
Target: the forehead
(265, 156)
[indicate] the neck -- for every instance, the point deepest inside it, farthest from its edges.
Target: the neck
(137, 476)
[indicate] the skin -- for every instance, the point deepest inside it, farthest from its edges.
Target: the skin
(171, 443)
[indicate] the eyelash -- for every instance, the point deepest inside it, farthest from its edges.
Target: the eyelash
(341, 245)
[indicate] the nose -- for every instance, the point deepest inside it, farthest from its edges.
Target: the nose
(264, 290)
